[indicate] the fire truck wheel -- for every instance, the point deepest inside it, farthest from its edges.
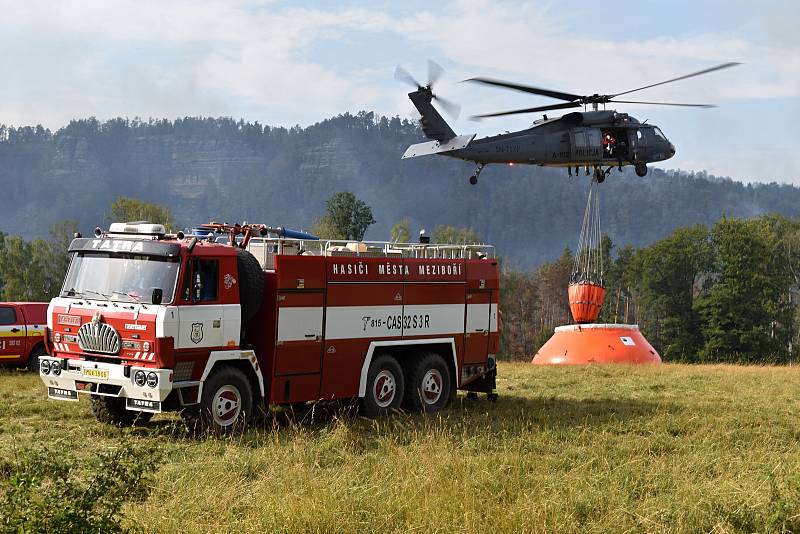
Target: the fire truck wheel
(384, 387)
(33, 360)
(226, 404)
(428, 383)
(112, 411)
(251, 284)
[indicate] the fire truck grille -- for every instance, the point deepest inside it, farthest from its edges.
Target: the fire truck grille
(100, 337)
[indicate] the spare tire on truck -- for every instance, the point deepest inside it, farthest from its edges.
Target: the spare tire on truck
(251, 284)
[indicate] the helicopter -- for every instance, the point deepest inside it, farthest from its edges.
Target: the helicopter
(594, 138)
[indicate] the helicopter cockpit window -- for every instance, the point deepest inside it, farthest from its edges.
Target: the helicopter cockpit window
(659, 134)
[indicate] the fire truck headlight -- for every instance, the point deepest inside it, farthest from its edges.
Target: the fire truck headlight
(57, 337)
(55, 368)
(140, 378)
(152, 380)
(44, 367)
(146, 346)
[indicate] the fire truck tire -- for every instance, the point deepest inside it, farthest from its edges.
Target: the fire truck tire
(385, 385)
(225, 406)
(251, 284)
(429, 384)
(112, 411)
(33, 359)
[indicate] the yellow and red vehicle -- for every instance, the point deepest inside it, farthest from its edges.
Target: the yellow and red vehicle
(22, 333)
(149, 322)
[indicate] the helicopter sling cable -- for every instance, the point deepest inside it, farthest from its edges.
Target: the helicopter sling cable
(586, 290)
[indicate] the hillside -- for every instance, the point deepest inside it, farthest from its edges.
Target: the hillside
(222, 169)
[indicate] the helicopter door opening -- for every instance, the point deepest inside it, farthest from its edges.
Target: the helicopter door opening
(615, 144)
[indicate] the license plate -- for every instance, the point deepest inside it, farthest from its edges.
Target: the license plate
(100, 374)
(59, 393)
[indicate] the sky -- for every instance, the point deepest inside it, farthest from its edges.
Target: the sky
(288, 63)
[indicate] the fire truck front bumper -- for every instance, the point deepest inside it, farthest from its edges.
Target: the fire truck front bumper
(144, 389)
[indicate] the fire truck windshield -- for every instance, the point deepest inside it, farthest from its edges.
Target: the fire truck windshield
(128, 277)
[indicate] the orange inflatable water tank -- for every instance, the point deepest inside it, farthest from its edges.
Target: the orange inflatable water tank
(596, 343)
(585, 301)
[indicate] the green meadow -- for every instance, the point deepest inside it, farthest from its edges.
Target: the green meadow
(670, 448)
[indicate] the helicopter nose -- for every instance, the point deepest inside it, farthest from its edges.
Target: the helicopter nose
(671, 150)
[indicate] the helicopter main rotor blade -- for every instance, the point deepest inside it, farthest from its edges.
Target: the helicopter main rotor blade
(435, 72)
(452, 109)
(402, 75)
(698, 73)
(527, 110)
(664, 104)
(526, 89)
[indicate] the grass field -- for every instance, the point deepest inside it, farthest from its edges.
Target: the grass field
(583, 449)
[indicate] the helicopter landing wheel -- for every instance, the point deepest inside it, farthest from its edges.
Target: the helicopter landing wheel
(641, 170)
(599, 175)
(474, 178)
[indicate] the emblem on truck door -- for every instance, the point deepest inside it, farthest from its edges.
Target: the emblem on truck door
(197, 332)
(229, 281)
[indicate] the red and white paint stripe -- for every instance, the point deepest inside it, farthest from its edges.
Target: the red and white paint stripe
(370, 322)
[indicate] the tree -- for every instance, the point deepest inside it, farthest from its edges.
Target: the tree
(131, 209)
(401, 232)
(34, 271)
(621, 282)
(57, 259)
(670, 273)
(745, 315)
(447, 234)
(519, 308)
(347, 218)
(324, 228)
(15, 264)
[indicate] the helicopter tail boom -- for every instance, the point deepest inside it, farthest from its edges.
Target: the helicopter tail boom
(433, 124)
(436, 147)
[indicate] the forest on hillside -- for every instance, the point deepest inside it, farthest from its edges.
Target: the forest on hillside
(223, 169)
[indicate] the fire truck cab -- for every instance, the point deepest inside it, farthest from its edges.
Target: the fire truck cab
(150, 322)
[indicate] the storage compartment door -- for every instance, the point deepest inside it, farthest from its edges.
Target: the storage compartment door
(477, 326)
(298, 347)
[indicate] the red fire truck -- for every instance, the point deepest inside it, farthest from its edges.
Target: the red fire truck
(150, 322)
(22, 333)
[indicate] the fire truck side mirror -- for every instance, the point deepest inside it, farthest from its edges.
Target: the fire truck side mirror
(158, 294)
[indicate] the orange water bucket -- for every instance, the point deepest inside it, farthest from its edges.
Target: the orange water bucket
(580, 344)
(585, 301)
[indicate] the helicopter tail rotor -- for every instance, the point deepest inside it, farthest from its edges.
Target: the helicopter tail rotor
(435, 72)
(402, 75)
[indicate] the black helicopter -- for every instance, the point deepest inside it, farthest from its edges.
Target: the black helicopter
(600, 139)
